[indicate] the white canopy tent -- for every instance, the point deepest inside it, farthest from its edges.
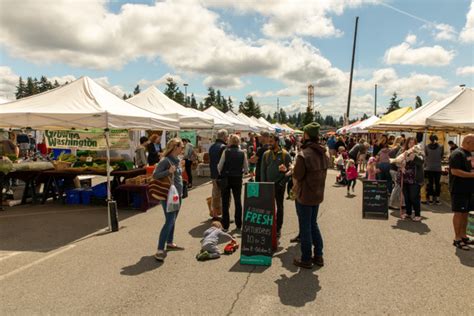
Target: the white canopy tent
(155, 101)
(361, 128)
(218, 122)
(267, 125)
(235, 123)
(457, 112)
(256, 127)
(78, 105)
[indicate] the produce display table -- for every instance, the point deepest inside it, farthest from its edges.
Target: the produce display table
(123, 192)
(54, 177)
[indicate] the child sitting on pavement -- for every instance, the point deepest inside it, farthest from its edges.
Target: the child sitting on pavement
(209, 249)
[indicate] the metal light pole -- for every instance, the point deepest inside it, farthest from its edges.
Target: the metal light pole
(185, 94)
(352, 71)
(375, 104)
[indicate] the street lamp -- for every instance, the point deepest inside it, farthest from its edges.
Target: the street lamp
(185, 94)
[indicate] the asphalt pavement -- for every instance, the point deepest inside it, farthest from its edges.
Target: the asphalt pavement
(57, 259)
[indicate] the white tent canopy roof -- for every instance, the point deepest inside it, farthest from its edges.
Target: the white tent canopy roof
(265, 123)
(457, 111)
(155, 101)
(80, 104)
(235, 123)
(244, 118)
(362, 126)
(218, 122)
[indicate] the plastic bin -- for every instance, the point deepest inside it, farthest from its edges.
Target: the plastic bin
(73, 196)
(86, 196)
(100, 190)
(136, 201)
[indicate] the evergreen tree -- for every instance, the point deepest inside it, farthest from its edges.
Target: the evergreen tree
(171, 89)
(308, 116)
(20, 89)
(218, 103)
(224, 106)
(275, 117)
(250, 108)
(283, 116)
(241, 107)
(318, 118)
(187, 103)
(137, 90)
(269, 117)
(31, 87)
(179, 97)
(129, 96)
(394, 103)
(329, 121)
(124, 96)
(44, 84)
(364, 117)
(201, 106)
(341, 121)
(193, 102)
(299, 119)
(56, 84)
(210, 100)
(230, 104)
(419, 103)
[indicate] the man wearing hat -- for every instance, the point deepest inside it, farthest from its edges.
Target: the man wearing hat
(309, 177)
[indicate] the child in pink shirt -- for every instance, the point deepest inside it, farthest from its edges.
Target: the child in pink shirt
(351, 174)
(372, 169)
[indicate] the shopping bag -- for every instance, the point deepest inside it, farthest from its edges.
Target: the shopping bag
(172, 203)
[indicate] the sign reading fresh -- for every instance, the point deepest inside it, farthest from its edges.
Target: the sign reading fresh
(90, 140)
(258, 224)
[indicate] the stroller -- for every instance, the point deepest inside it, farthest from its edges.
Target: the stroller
(341, 178)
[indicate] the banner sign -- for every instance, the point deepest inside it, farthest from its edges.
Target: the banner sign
(90, 140)
(191, 135)
(259, 224)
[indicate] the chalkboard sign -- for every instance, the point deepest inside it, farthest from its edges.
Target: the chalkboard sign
(258, 224)
(375, 197)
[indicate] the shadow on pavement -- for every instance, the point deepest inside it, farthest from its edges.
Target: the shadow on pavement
(42, 228)
(198, 231)
(287, 257)
(243, 268)
(299, 289)
(412, 227)
(466, 257)
(145, 264)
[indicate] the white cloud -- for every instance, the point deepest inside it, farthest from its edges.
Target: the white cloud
(91, 36)
(162, 80)
(8, 82)
(467, 33)
(444, 32)
(229, 82)
(388, 80)
(411, 39)
(62, 79)
(115, 89)
(426, 56)
(439, 95)
(287, 18)
(465, 71)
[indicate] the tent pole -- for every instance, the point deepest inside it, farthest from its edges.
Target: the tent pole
(111, 205)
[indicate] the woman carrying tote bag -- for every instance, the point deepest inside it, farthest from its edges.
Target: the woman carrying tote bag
(169, 167)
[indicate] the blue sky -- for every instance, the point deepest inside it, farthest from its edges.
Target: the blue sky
(269, 49)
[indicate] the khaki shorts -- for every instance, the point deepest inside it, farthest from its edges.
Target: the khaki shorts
(216, 202)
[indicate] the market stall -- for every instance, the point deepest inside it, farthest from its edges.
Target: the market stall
(236, 124)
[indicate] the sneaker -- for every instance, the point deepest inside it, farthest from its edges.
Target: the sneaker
(160, 255)
(302, 264)
(318, 260)
(417, 219)
(203, 255)
(404, 216)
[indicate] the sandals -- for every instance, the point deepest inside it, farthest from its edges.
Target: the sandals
(460, 245)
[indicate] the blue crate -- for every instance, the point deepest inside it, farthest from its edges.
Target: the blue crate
(86, 196)
(100, 190)
(73, 196)
(136, 200)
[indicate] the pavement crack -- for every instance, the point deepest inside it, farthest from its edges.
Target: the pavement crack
(241, 290)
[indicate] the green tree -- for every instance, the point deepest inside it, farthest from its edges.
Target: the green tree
(419, 103)
(394, 103)
(44, 84)
(224, 106)
(269, 117)
(341, 121)
(275, 117)
(308, 116)
(299, 119)
(250, 108)
(172, 89)
(283, 116)
(31, 86)
(230, 104)
(318, 118)
(124, 96)
(241, 107)
(20, 89)
(193, 102)
(56, 84)
(136, 90)
(210, 100)
(179, 97)
(129, 95)
(364, 117)
(218, 103)
(201, 106)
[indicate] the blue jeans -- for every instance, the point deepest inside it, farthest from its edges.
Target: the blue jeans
(167, 232)
(385, 175)
(309, 231)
